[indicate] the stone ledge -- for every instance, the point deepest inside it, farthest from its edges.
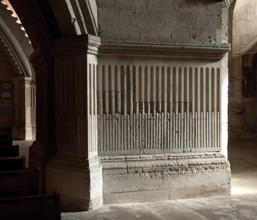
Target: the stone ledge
(215, 52)
(167, 165)
(78, 45)
(161, 157)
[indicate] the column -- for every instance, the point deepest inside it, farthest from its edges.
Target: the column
(75, 171)
(44, 146)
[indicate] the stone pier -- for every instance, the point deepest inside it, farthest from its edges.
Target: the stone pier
(162, 100)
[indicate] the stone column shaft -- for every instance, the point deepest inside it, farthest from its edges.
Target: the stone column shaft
(76, 162)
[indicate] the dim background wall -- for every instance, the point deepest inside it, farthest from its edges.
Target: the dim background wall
(6, 104)
(242, 70)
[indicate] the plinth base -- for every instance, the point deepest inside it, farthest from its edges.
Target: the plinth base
(164, 177)
(79, 183)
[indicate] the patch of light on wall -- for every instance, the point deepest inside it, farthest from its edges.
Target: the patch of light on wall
(243, 186)
(243, 190)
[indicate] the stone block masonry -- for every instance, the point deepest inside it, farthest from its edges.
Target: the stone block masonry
(163, 177)
(177, 22)
(162, 99)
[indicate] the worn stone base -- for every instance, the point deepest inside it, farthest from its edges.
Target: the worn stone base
(78, 182)
(164, 177)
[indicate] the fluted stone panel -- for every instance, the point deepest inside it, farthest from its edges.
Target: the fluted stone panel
(160, 132)
(155, 89)
(145, 108)
(76, 108)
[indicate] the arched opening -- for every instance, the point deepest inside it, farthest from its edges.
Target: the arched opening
(242, 96)
(16, 49)
(164, 121)
(17, 78)
(65, 146)
(242, 70)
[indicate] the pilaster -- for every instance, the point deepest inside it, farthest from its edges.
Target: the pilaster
(75, 171)
(25, 107)
(44, 146)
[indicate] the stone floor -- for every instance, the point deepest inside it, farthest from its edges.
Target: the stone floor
(218, 208)
(241, 205)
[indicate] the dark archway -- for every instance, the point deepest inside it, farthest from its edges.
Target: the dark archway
(66, 63)
(16, 48)
(59, 33)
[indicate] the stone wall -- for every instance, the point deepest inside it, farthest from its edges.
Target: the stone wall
(7, 92)
(162, 91)
(177, 22)
(244, 25)
(17, 101)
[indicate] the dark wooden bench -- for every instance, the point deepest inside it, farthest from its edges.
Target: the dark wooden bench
(20, 183)
(12, 163)
(9, 151)
(30, 208)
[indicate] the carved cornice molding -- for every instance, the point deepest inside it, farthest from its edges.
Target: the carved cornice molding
(14, 51)
(216, 52)
(14, 40)
(78, 45)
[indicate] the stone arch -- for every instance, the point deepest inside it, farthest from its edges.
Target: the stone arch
(243, 39)
(14, 41)
(14, 51)
(76, 17)
(16, 47)
(43, 21)
(244, 32)
(53, 28)
(66, 67)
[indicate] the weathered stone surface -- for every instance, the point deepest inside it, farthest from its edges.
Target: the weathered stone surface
(139, 196)
(79, 183)
(244, 26)
(180, 176)
(160, 22)
(162, 98)
(162, 81)
(236, 207)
